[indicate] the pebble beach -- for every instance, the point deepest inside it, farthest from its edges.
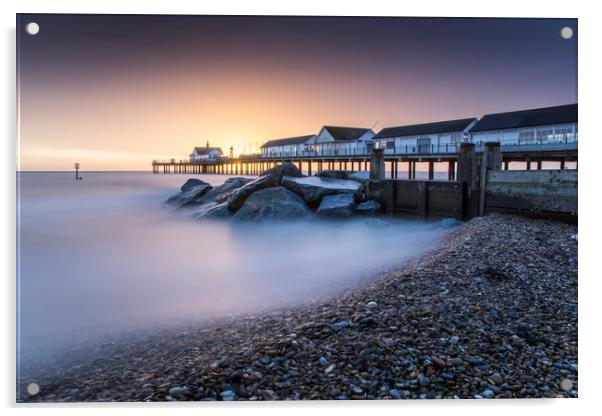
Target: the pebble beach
(490, 313)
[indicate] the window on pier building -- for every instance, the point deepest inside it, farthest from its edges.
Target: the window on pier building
(456, 138)
(526, 137)
(563, 134)
(545, 135)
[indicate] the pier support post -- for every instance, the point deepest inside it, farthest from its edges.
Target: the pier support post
(431, 170)
(377, 165)
(451, 170)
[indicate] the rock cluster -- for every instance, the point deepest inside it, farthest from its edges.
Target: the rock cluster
(492, 313)
(279, 193)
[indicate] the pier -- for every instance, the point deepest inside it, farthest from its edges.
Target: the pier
(532, 155)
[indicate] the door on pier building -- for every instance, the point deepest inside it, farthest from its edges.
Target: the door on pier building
(424, 145)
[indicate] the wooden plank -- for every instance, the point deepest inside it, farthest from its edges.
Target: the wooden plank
(551, 191)
(541, 176)
(532, 202)
(445, 200)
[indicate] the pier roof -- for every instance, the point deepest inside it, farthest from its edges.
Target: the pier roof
(561, 114)
(206, 150)
(287, 141)
(426, 128)
(346, 133)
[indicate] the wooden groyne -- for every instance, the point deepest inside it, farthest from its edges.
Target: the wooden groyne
(481, 187)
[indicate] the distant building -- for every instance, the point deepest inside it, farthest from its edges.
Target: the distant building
(549, 125)
(335, 140)
(292, 146)
(437, 137)
(200, 154)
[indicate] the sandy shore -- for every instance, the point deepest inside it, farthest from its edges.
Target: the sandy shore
(493, 313)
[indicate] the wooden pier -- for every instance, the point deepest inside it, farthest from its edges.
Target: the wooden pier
(253, 165)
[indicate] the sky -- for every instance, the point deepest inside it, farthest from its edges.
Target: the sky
(114, 92)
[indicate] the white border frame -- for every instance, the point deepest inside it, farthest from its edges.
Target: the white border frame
(589, 281)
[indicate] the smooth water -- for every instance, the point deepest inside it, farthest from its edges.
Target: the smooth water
(104, 254)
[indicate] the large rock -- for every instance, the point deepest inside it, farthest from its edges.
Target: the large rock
(369, 208)
(286, 169)
(191, 197)
(335, 174)
(204, 208)
(238, 197)
(336, 206)
(271, 204)
(191, 183)
(313, 188)
(220, 193)
(360, 176)
(214, 211)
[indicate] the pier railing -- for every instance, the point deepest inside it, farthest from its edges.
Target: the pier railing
(364, 152)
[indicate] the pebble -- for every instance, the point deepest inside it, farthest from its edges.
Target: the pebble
(423, 380)
(371, 305)
(176, 391)
(496, 379)
(488, 393)
(395, 394)
(227, 395)
(342, 325)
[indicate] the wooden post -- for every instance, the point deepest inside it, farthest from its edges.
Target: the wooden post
(422, 202)
(377, 165)
(491, 160)
(562, 164)
(467, 174)
(450, 170)
(539, 165)
(431, 170)
(506, 165)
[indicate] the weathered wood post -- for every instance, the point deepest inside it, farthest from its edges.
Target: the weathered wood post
(422, 201)
(450, 170)
(491, 160)
(77, 172)
(377, 165)
(467, 174)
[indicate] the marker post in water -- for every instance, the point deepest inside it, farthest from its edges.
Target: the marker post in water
(77, 177)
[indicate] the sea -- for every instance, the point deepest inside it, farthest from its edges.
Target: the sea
(105, 255)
